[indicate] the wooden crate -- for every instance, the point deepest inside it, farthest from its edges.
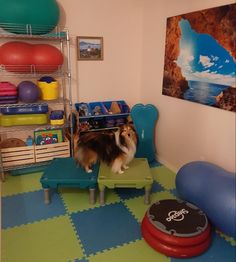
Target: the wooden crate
(16, 156)
(48, 152)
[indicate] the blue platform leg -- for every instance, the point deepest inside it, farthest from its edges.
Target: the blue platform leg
(144, 118)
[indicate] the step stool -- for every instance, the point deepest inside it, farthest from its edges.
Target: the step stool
(137, 176)
(63, 172)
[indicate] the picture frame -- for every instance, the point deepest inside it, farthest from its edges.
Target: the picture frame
(89, 48)
(50, 136)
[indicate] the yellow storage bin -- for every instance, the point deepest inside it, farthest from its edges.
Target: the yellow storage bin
(48, 88)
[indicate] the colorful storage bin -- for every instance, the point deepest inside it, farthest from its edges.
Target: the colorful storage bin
(98, 115)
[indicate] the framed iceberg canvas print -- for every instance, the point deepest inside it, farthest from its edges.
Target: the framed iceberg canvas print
(89, 48)
(200, 57)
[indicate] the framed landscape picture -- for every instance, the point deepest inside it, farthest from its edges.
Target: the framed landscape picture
(89, 48)
(200, 57)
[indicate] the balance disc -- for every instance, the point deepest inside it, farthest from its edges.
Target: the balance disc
(176, 228)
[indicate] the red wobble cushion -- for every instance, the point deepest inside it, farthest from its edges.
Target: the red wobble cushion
(21, 57)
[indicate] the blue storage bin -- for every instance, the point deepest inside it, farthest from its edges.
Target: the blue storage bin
(96, 115)
(83, 109)
(98, 109)
(124, 109)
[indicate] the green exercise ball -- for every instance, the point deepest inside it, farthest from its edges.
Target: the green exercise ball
(42, 15)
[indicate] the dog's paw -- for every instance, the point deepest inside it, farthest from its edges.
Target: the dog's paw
(125, 167)
(89, 171)
(120, 172)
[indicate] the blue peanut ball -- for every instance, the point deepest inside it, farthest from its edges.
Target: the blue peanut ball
(213, 190)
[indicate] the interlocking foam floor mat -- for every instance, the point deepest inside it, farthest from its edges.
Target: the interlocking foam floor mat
(70, 229)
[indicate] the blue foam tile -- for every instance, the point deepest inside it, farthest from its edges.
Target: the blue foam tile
(219, 251)
(105, 227)
(128, 193)
(175, 193)
(29, 207)
(156, 187)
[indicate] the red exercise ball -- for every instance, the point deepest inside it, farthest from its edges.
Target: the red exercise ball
(16, 56)
(46, 58)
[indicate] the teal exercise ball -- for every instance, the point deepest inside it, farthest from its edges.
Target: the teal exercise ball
(42, 15)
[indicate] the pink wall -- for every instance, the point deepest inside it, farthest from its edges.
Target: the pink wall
(118, 76)
(186, 131)
(134, 38)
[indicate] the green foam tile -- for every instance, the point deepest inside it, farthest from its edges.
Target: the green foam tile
(164, 176)
(78, 199)
(138, 251)
(138, 208)
(49, 240)
(21, 184)
(229, 239)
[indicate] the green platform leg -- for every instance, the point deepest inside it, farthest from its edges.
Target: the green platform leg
(92, 196)
(147, 195)
(102, 194)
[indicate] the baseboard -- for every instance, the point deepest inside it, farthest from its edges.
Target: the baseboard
(167, 164)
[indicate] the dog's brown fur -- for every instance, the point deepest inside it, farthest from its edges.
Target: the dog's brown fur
(115, 148)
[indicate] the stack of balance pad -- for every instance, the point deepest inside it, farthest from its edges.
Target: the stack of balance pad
(176, 228)
(28, 114)
(8, 93)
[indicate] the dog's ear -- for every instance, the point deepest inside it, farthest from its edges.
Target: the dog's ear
(131, 125)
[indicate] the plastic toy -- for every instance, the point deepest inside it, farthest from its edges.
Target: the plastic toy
(24, 57)
(213, 190)
(144, 118)
(29, 17)
(28, 92)
(176, 228)
(29, 141)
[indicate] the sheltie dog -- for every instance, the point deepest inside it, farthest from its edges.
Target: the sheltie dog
(115, 148)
